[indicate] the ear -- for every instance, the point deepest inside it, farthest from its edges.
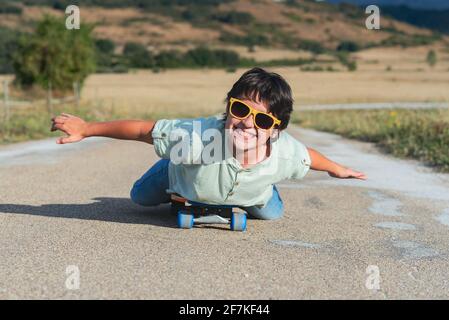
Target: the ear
(275, 134)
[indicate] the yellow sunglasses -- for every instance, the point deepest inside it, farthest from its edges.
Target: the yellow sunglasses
(240, 110)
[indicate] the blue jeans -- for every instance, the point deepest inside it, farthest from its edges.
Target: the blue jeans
(149, 190)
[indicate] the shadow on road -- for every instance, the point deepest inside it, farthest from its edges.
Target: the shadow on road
(120, 210)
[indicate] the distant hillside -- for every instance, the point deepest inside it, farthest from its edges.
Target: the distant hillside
(307, 25)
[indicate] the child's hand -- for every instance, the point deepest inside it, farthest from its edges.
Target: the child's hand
(347, 173)
(73, 126)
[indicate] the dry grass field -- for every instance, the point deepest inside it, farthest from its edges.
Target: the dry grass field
(192, 92)
(202, 91)
(195, 92)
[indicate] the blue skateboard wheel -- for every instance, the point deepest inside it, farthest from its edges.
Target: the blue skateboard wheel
(185, 220)
(238, 221)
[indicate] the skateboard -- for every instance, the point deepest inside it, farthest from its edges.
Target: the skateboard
(192, 213)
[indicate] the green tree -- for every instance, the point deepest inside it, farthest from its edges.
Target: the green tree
(104, 54)
(312, 46)
(8, 44)
(348, 46)
(169, 59)
(54, 55)
(137, 55)
(204, 57)
(431, 58)
(105, 46)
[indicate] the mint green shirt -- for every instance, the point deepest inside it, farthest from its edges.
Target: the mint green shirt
(225, 181)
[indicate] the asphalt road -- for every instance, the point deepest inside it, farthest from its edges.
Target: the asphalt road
(65, 209)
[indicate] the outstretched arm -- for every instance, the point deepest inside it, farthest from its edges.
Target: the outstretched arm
(78, 129)
(321, 163)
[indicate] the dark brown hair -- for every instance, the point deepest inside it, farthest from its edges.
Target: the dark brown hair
(268, 87)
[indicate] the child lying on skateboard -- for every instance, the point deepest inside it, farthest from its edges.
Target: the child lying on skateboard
(235, 158)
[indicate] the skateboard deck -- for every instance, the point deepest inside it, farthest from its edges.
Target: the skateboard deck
(192, 213)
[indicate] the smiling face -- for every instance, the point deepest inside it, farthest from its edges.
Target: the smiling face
(243, 133)
(266, 92)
